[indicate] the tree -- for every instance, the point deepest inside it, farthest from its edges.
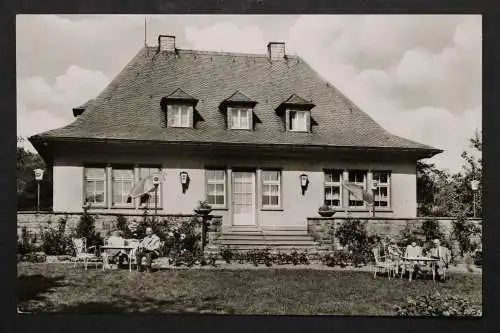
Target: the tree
(442, 194)
(26, 162)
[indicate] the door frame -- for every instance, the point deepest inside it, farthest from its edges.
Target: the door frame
(253, 171)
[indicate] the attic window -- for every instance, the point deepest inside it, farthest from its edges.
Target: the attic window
(298, 120)
(180, 115)
(179, 107)
(240, 118)
(239, 111)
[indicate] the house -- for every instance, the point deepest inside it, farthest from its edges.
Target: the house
(263, 138)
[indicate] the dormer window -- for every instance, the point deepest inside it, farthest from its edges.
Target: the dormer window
(296, 114)
(240, 118)
(180, 115)
(179, 108)
(239, 111)
(298, 120)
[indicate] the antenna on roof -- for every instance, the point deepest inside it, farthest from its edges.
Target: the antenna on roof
(145, 43)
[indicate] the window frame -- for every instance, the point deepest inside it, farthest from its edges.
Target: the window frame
(151, 203)
(132, 180)
(364, 183)
(386, 185)
(239, 109)
(333, 184)
(176, 113)
(104, 204)
(264, 182)
(216, 182)
(290, 122)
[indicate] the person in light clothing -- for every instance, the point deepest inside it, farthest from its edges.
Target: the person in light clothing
(149, 247)
(116, 239)
(442, 254)
(413, 250)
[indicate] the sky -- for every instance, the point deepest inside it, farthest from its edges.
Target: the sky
(419, 76)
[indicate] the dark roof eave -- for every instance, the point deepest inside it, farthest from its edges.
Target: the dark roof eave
(420, 153)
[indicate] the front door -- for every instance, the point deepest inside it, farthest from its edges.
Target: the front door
(243, 199)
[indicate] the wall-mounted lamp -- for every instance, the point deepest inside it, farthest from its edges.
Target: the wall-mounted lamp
(38, 178)
(304, 182)
(184, 181)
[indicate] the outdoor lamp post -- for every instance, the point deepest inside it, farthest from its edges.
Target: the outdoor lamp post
(38, 178)
(374, 186)
(474, 184)
(156, 182)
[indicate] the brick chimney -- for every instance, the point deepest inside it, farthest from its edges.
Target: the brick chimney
(276, 50)
(166, 43)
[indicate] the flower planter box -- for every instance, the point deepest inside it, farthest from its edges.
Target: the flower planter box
(203, 211)
(326, 213)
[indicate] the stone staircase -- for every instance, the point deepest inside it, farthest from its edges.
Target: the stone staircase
(278, 240)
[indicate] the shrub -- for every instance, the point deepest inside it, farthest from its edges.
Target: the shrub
(26, 243)
(431, 230)
(227, 253)
(86, 228)
(478, 258)
(55, 241)
(336, 258)
(123, 226)
(437, 305)
(352, 234)
(463, 230)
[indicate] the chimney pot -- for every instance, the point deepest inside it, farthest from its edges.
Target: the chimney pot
(276, 50)
(166, 43)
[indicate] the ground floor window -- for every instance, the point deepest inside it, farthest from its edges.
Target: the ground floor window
(333, 188)
(95, 185)
(122, 180)
(271, 188)
(357, 177)
(216, 188)
(145, 172)
(382, 193)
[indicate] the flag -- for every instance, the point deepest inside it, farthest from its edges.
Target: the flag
(359, 192)
(143, 187)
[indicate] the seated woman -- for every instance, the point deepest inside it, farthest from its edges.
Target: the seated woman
(413, 250)
(117, 255)
(394, 253)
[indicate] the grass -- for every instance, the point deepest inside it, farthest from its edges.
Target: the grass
(63, 288)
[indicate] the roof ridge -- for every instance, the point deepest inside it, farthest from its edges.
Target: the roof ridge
(224, 53)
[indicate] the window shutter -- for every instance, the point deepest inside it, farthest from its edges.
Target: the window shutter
(190, 116)
(229, 117)
(287, 120)
(170, 119)
(249, 116)
(308, 121)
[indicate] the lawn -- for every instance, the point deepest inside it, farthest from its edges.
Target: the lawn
(63, 288)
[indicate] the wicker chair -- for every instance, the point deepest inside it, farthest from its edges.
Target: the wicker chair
(381, 265)
(82, 254)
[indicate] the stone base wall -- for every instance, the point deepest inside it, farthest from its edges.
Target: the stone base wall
(323, 228)
(104, 222)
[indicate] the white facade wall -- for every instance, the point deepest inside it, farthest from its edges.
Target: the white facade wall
(68, 186)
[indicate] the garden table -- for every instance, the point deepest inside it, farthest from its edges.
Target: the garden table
(414, 260)
(125, 248)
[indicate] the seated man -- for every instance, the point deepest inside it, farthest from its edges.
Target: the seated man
(149, 247)
(442, 254)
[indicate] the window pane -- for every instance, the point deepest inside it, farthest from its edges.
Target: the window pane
(211, 174)
(274, 200)
(270, 175)
(383, 191)
(123, 173)
(265, 200)
(235, 121)
(95, 172)
(219, 174)
(99, 186)
(184, 117)
(211, 189)
(219, 200)
(219, 189)
(211, 199)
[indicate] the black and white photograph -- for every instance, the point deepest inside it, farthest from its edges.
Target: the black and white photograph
(249, 164)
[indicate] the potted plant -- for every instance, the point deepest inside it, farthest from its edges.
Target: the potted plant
(326, 211)
(203, 208)
(214, 224)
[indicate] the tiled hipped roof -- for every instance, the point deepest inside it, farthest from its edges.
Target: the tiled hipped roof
(129, 108)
